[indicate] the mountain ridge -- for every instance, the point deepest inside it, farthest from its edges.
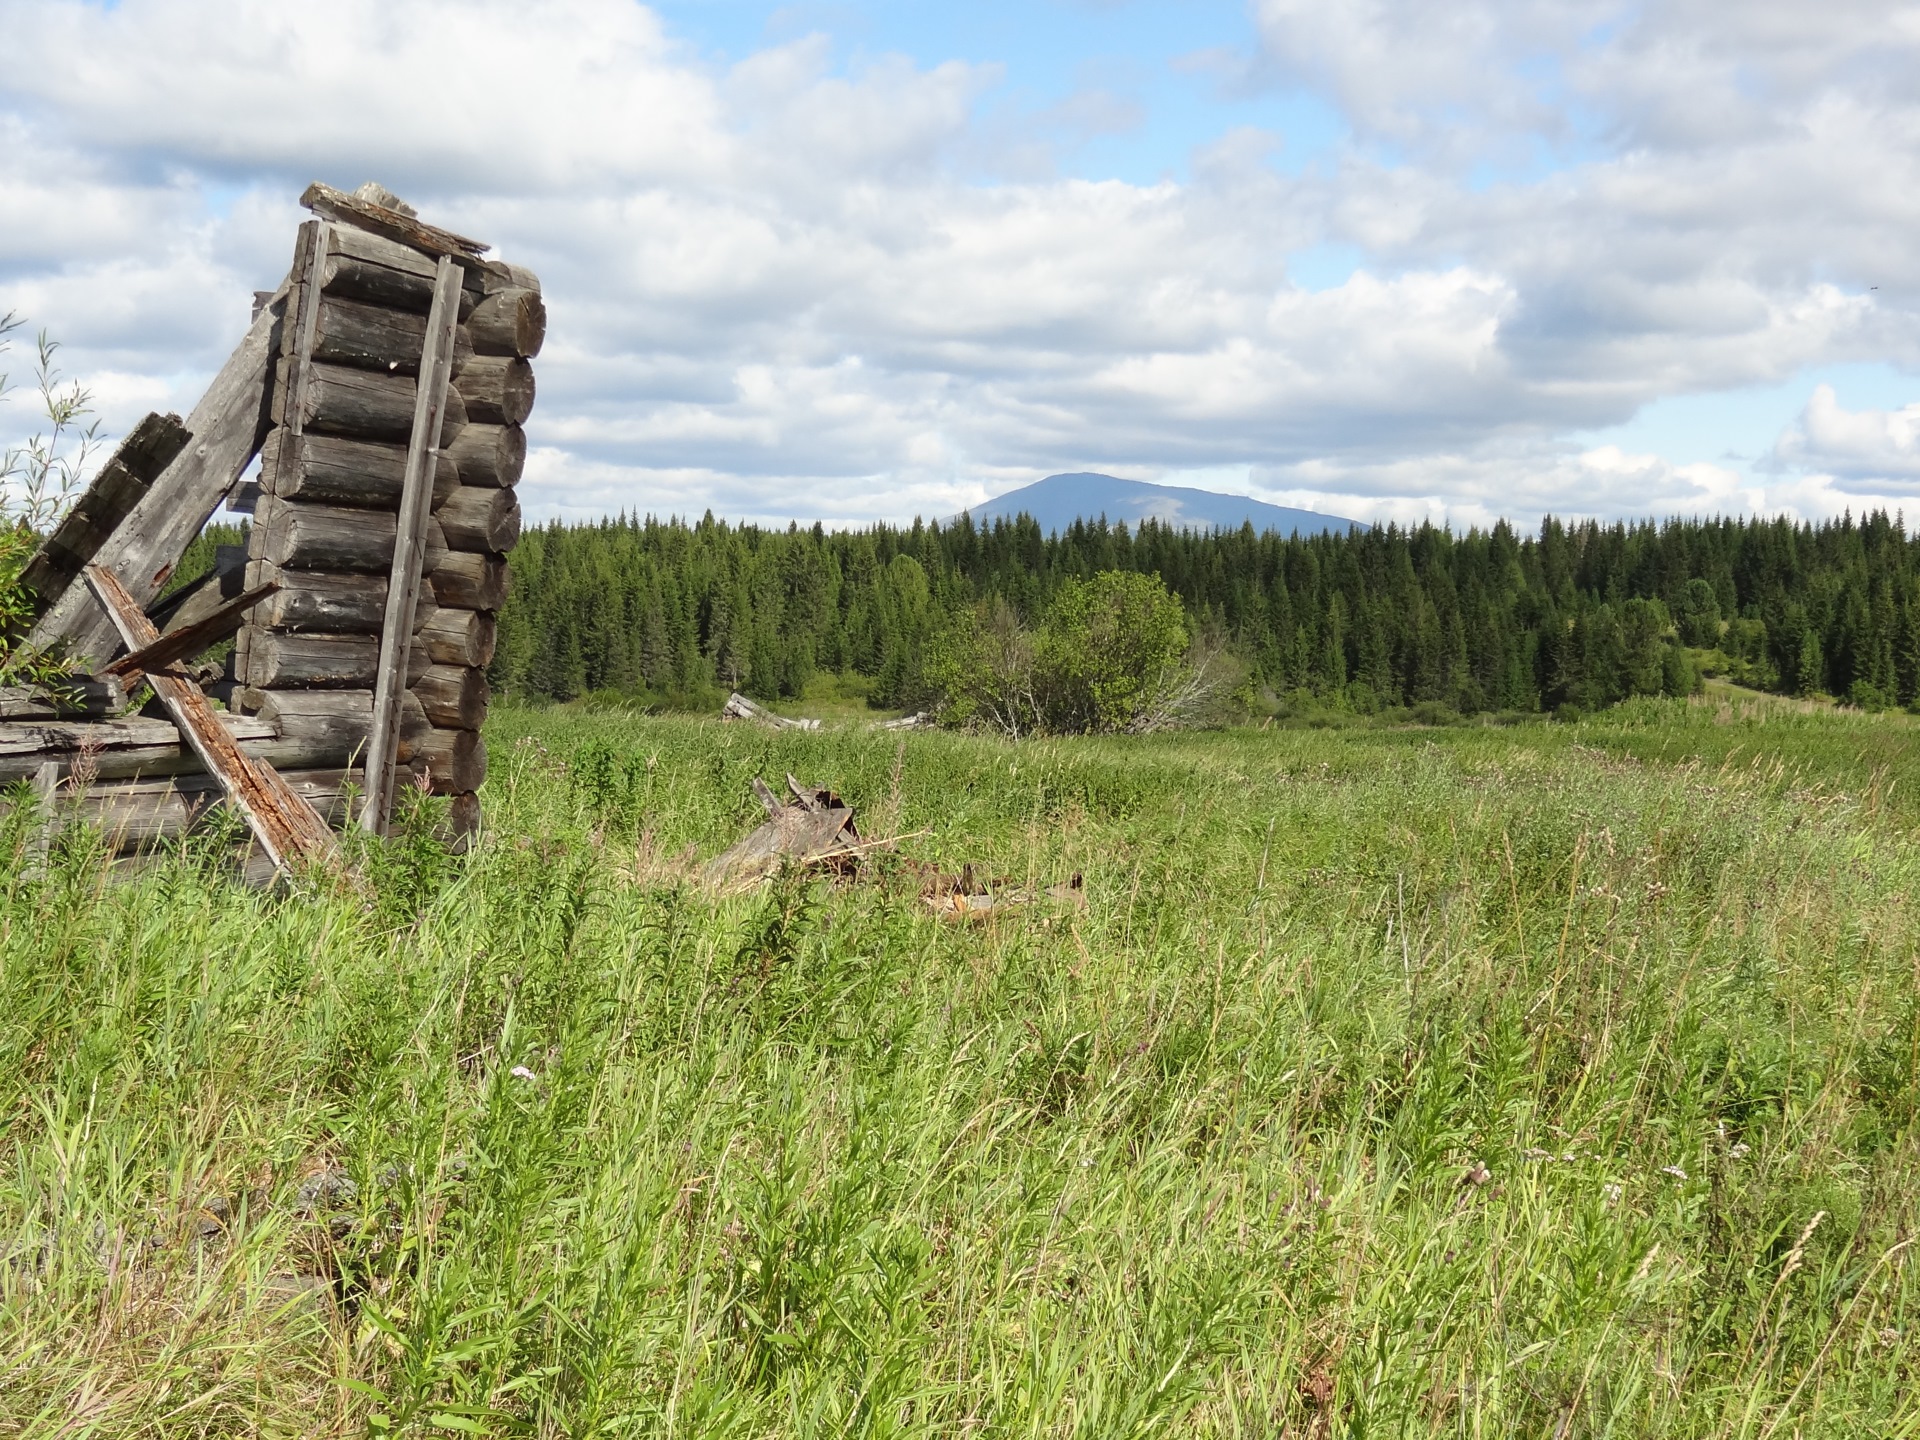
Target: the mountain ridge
(1058, 500)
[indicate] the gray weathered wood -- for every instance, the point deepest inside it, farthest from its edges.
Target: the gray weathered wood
(458, 637)
(121, 483)
(409, 557)
(133, 745)
(509, 322)
(453, 696)
(468, 581)
(491, 455)
(366, 405)
(334, 724)
(330, 603)
(330, 537)
(392, 224)
(280, 660)
(329, 470)
(286, 826)
(482, 520)
(227, 427)
(376, 337)
(134, 815)
(77, 697)
(498, 389)
(453, 760)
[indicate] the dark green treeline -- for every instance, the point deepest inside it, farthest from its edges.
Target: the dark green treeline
(1583, 614)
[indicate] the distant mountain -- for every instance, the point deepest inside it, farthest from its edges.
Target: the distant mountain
(1057, 501)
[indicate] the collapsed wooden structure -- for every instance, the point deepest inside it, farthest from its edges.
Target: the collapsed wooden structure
(383, 387)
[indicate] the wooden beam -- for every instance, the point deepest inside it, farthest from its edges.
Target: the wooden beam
(227, 427)
(410, 546)
(286, 826)
(189, 640)
(352, 210)
(148, 449)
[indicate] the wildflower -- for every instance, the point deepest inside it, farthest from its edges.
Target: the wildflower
(521, 1072)
(1674, 1170)
(1740, 1151)
(1613, 1193)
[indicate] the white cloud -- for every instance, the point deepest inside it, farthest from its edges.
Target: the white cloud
(773, 288)
(1854, 451)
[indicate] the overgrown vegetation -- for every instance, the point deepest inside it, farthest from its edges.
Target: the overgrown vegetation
(1536, 1080)
(38, 481)
(1578, 616)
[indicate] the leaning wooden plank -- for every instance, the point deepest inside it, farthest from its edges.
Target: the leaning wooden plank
(189, 640)
(227, 426)
(286, 826)
(410, 547)
(352, 210)
(148, 449)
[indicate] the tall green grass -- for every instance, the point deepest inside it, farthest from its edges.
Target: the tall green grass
(1556, 1080)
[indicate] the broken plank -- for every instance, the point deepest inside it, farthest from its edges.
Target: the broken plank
(286, 826)
(348, 209)
(189, 640)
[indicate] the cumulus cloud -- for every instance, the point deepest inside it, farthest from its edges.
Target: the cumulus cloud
(781, 287)
(1856, 451)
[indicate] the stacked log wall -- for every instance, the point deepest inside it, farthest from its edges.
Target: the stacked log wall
(326, 518)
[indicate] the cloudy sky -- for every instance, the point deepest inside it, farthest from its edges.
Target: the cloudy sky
(860, 261)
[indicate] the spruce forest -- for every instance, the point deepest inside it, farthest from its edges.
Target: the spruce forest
(1579, 615)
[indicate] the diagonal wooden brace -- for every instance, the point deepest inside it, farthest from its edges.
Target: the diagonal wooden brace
(286, 826)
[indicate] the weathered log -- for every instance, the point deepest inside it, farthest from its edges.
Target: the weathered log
(278, 660)
(315, 600)
(330, 537)
(453, 760)
(375, 337)
(454, 696)
(498, 389)
(497, 275)
(140, 745)
(332, 724)
(227, 427)
(464, 580)
(463, 820)
(135, 815)
(458, 637)
(77, 697)
(509, 322)
(148, 449)
(479, 519)
(490, 455)
(326, 537)
(365, 405)
(329, 470)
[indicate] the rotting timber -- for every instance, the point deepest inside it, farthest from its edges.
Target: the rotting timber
(382, 387)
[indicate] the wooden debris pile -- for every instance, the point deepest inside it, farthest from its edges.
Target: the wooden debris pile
(383, 386)
(738, 707)
(815, 829)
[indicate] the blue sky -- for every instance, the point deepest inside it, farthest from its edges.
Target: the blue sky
(860, 261)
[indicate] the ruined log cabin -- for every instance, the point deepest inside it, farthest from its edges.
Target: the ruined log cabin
(382, 387)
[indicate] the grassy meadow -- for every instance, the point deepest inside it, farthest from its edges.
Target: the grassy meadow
(1547, 1080)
